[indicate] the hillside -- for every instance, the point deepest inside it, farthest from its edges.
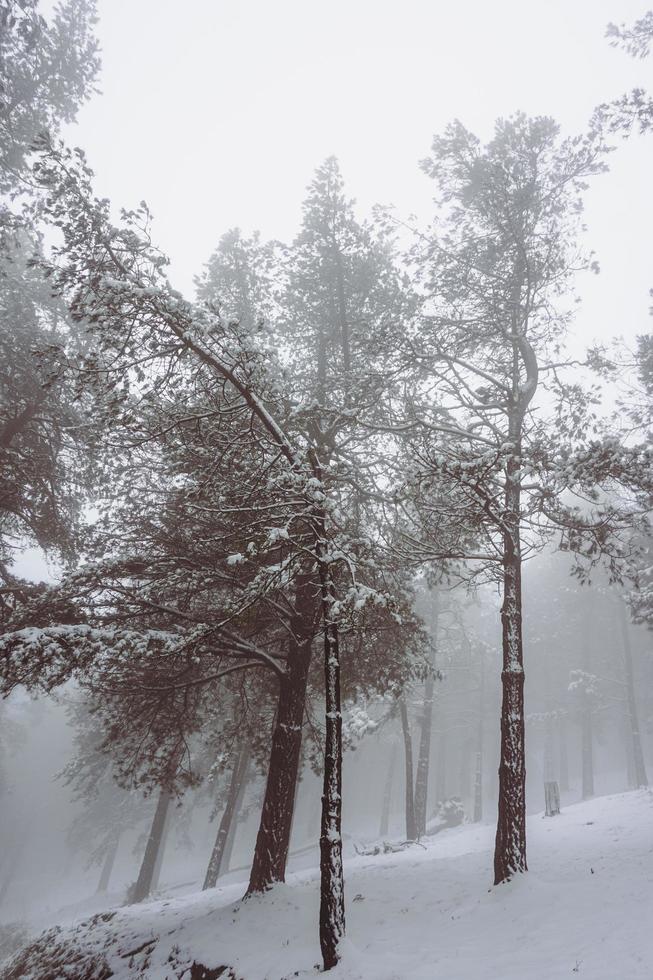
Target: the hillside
(583, 910)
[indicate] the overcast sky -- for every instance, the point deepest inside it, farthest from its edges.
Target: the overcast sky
(217, 112)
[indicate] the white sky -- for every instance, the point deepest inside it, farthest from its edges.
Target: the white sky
(217, 112)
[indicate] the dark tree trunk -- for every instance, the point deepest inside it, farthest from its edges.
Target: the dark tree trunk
(143, 885)
(228, 817)
(510, 844)
(107, 866)
(408, 756)
(273, 838)
(387, 793)
(332, 891)
(641, 777)
(424, 756)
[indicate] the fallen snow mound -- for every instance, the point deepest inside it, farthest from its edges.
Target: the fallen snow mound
(583, 910)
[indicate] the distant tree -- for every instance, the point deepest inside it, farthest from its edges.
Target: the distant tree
(47, 70)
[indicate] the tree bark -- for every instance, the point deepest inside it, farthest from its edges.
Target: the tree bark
(273, 838)
(143, 885)
(387, 793)
(424, 756)
(510, 844)
(408, 756)
(332, 893)
(230, 812)
(640, 774)
(107, 866)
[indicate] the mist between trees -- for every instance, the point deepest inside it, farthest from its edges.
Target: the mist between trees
(313, 527)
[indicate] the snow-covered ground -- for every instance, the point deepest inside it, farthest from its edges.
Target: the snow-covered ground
(584, 910)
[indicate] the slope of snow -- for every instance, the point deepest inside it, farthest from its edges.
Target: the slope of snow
(582, 910)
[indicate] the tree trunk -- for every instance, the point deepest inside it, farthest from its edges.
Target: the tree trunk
(424, 756)
(233, 829)
(107, 867)
(478, 769)
(143, 885)
(273, 838)
(332, 892)
(587, 726)
(387, 793)
(162, 850)
(551, 798)
(641, 777)
(441, 768)
(548, 767)
(631, 779)
(478, 789)
(564, 754)
(510, 844)
(230, 812)
(587, 753)
(408, 756)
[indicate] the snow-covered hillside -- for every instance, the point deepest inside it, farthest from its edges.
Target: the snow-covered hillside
(583, 910)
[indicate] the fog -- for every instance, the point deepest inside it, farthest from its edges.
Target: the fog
(325, 489)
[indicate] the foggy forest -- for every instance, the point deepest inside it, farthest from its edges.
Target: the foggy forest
(326, 401)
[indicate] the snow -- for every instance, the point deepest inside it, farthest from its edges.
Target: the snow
(427, 912)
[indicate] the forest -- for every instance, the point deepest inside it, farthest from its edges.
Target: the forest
(325, 557)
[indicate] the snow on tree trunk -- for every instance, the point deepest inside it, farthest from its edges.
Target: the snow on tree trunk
(143, 885)
(424, 756)
(510, 844)
(107, 867)
(408, 757)
(332, 893)
(228, 817)
(640, 774)
(387, 793)
(273, 838)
